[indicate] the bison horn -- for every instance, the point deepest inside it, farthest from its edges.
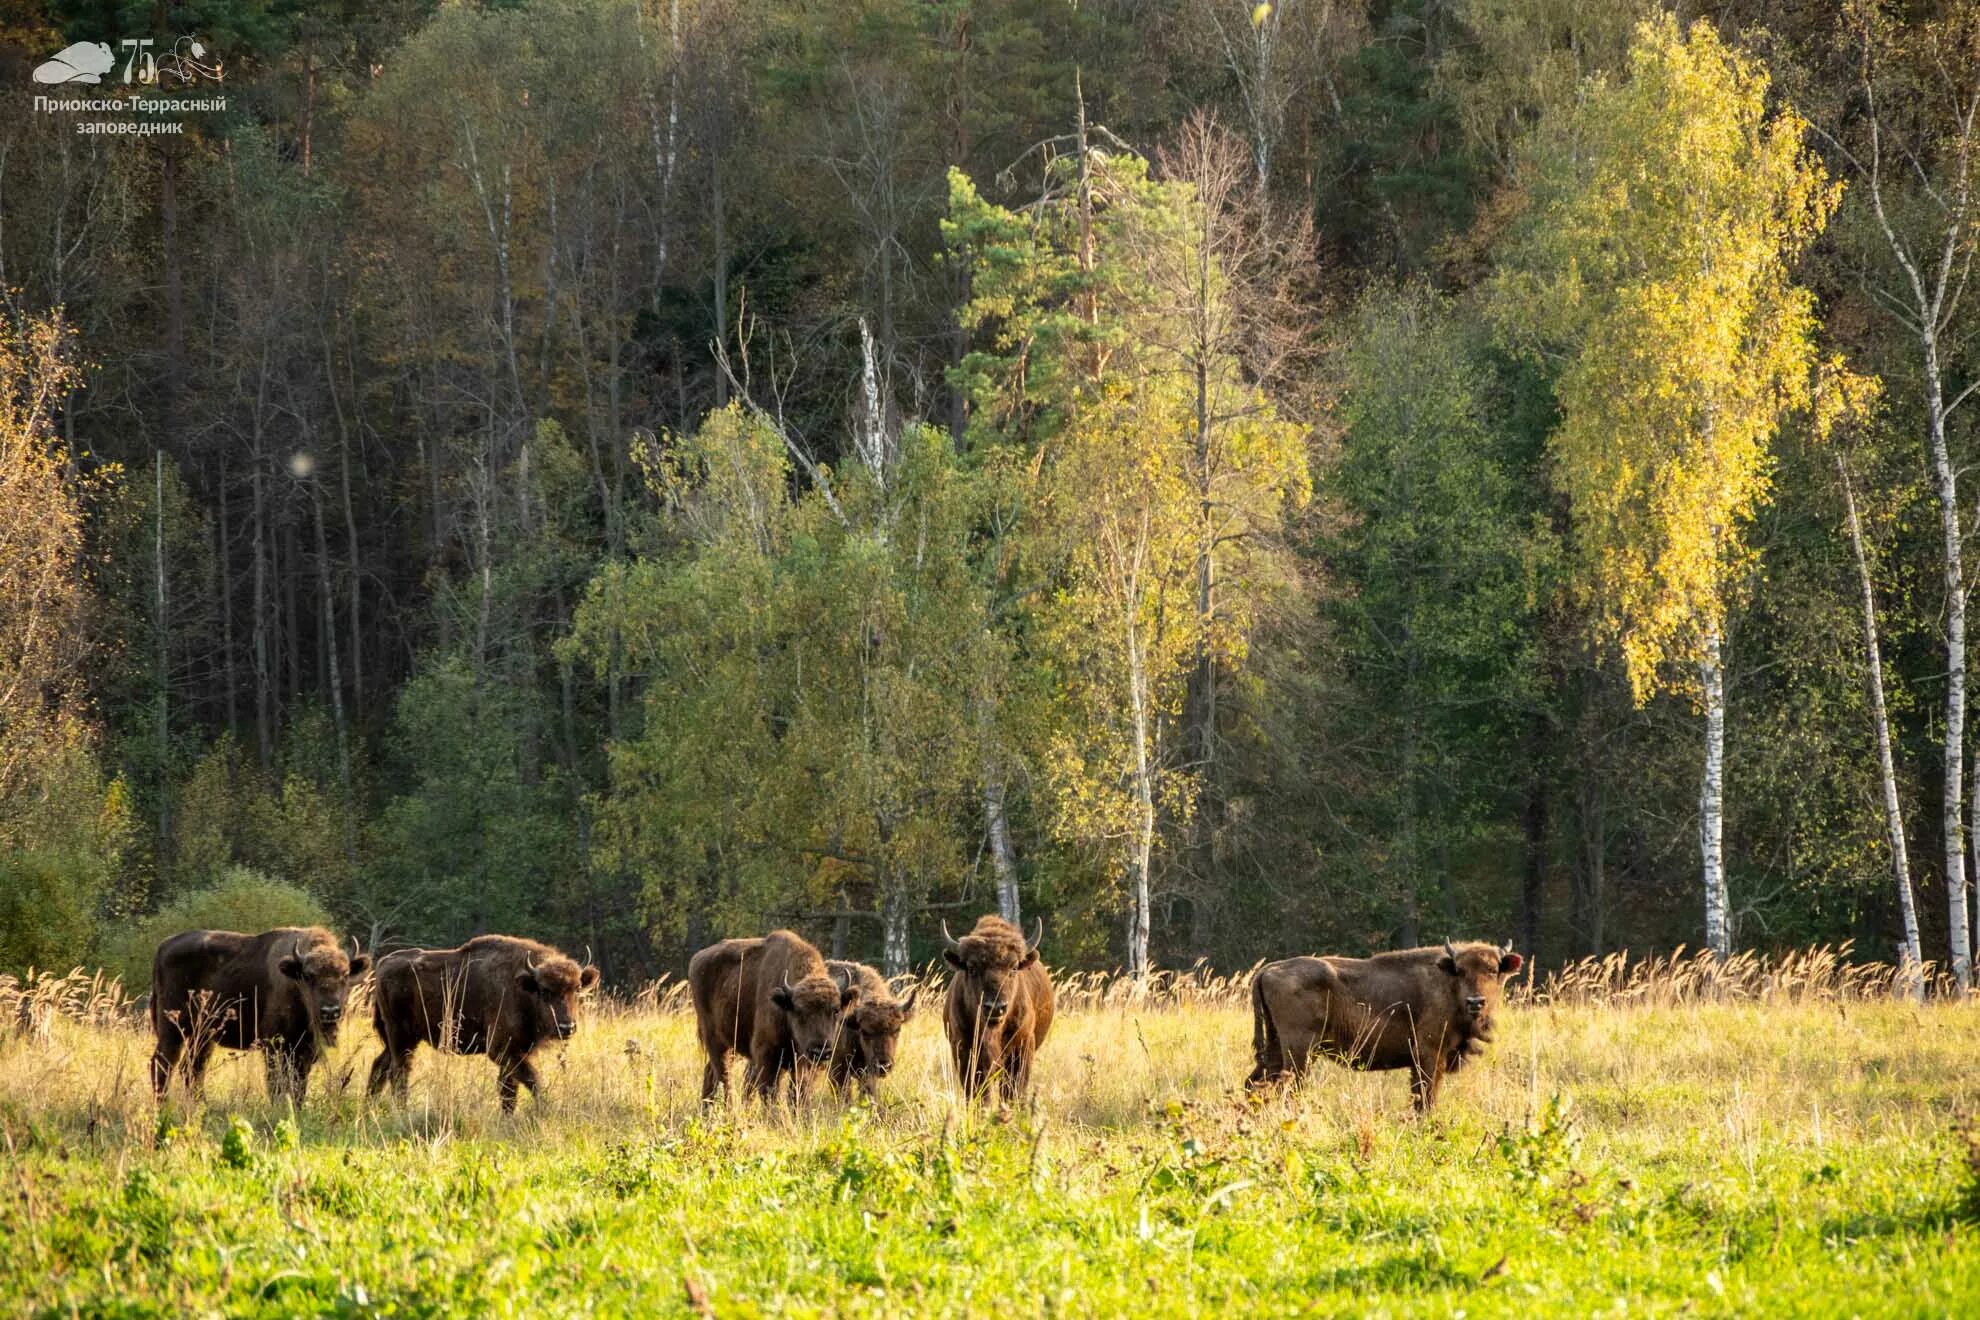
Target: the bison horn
(1038, 933)
(949, 939)
(356, 948)
(1450, 952)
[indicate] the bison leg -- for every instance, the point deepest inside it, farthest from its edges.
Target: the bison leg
(516, 1073)
(714, 1077)
(164, 1058)
(764, 1072)
(392, 1066)
(1015, 1079)
(285, 1070)
(195, 1066)
(1423, 1086)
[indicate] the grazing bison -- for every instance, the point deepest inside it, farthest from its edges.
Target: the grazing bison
(1427, 1010)
(282, 990)
(870, 1028)
(770, 1000)
(495, 995)
(999, 1006)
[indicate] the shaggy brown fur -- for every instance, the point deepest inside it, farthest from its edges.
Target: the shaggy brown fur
(1427, 1010)
(282, 990)
(863, 1051)
(495, 995)
(999, 1006)
(770, 1000)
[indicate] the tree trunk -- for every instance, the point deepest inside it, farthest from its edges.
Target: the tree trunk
(264, 714)
(1142, 846)
(226, 571)
(1711, 803)
(1533, 831)
(1003, 862)
(334, 680)
(1910, 953)
(894, 934)
(1946, 481)
(164, 658)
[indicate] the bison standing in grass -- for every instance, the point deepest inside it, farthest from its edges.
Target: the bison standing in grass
(771, 1000)
(495, 995)
(999, 1006)
(871, 1029)
(282, 990)
(1427, 1010)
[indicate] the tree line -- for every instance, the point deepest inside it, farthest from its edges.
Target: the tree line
(1227, 478)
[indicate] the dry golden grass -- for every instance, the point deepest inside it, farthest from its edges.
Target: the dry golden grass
(1636, 1130)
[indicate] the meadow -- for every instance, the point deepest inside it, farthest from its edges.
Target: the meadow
(1781, 1137)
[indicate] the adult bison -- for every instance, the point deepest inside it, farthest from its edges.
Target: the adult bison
(1427, 1010)
(282, 991)
(495, 995)
(870, 1028)
(999, 1006)
(770, 1000)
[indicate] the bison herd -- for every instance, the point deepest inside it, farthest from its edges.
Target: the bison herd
(789, 1012)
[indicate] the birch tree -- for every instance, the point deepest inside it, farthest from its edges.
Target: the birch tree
(1913, 149)
(1653, 273)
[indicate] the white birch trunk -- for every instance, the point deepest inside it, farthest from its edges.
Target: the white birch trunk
(1142, 845)
(894, 931)
(1961, 949)
(1711, 804)
(1909, 953)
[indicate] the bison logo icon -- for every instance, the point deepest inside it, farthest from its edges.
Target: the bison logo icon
(84, 62)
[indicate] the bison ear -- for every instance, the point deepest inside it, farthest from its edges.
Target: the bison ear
(907, 1005)
(291, 967)
(781, 997)
(588, 978)
(360, 964)
(1030, 957)
(1510, 963)
(1448, 964)
(955, 959)
(848, 996)
(527, 980)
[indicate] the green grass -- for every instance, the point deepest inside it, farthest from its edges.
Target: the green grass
(1728, 1158)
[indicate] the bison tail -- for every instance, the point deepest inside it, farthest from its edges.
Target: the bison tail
(1265, 1048)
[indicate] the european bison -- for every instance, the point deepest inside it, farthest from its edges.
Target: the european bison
(495, 995)
(864, 1048)
(1427, 1010)
(282, 990)
(999, 1006)
(770, 1000)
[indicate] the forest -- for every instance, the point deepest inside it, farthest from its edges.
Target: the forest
(1228, 479)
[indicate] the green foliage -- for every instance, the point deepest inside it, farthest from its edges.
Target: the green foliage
(237, 899)
(1455, 561)
(803, 741)
(1655, 263)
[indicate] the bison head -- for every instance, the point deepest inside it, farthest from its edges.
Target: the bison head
(324, 975)
(876, 1025)
(812, 1009)
(1478, 975)
(988, 961)
(550, 993)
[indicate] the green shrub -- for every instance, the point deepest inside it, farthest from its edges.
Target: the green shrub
(242, 899)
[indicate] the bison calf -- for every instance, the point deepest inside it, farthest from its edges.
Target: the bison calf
(282, 991)
(999, 1005)
(495, 995)
(772, 1001)
(1427, 1010)
(870, 1028)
